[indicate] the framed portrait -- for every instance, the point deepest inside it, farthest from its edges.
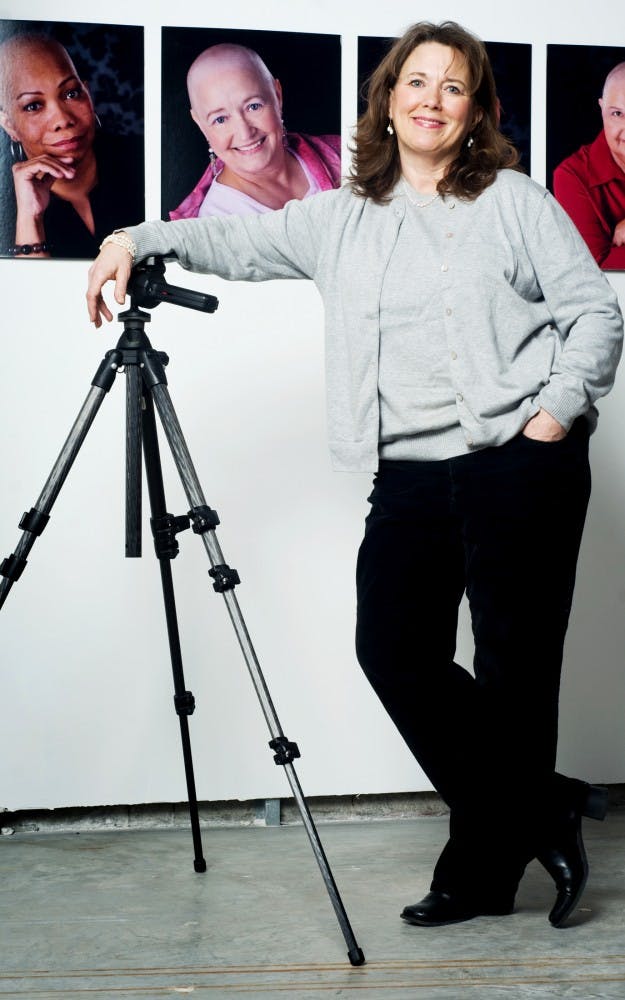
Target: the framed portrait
(586, 144)
(251, 130)
(71, 142)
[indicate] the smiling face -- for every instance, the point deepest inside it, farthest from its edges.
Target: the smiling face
(613, 113)
(238, 108)
(431, 106)
(45, 106)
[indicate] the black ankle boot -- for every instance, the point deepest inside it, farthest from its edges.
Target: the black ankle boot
(440, 908)
(563, 855)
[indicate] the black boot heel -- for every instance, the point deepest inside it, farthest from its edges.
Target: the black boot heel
(595, 802)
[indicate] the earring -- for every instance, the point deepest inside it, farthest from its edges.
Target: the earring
(389, 127)
(470, 142)
(285, 138)
(97, 121)
(17, 151)
(211, 156)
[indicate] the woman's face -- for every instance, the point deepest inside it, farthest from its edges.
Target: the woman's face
(613, 114)
(431, 107)
(46, 107)
(239, 112)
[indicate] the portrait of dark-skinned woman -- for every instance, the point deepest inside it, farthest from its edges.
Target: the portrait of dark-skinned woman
(66, 176)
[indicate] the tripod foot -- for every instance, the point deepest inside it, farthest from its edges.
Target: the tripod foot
(199, 865)
(356, 956)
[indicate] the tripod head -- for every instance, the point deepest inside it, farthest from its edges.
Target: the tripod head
(147, 287)
(144, 368)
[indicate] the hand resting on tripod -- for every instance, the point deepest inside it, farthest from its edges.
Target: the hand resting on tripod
(113, 263)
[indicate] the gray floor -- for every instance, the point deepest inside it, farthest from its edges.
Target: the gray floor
(123, 914)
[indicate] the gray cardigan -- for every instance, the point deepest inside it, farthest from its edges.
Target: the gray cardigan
(532, 320)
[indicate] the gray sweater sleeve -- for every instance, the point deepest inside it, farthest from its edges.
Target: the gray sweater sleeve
(561, 302)
(585, 311)
(280, 244)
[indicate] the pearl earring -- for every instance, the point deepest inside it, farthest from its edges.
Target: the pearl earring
(389, 127)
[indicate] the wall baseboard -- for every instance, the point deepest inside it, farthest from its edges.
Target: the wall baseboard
(254, 812)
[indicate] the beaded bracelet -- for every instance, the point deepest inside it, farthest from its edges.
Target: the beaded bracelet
(25, 249)
(120, 239)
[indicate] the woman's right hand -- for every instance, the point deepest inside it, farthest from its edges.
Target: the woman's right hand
(113, 263)
(33, 180)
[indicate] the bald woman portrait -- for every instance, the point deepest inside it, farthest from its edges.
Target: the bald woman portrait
(68, 182)
(255, 165)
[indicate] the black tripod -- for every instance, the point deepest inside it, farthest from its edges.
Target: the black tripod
(146, 385)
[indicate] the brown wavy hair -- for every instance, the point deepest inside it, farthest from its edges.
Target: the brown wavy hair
(376, 166)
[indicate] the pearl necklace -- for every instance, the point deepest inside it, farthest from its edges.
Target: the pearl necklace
(418, 204)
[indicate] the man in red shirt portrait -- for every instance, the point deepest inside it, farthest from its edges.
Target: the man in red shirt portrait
(590, 184)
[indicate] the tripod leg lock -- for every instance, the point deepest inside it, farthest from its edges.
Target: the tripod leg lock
(164, 530)
(286, 751)
(34, 521)
(184, 703)
(12, 567)
(105, 375)
(204, 519)
(153, 367)
(225, 578)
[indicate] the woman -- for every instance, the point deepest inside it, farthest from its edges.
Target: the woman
(68, 185)
(469, 333)
(255, 166)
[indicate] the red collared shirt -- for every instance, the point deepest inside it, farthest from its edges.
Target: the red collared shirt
(590, 185)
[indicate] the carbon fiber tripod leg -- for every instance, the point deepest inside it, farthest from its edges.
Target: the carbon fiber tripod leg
(164, 529)
(35, 520)
(204, 521)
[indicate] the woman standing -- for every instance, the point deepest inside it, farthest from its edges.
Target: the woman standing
(469, 334)
(69, 185)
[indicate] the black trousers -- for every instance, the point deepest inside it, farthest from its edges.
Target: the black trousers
(503, 524)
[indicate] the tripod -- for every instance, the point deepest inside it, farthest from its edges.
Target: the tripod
(146, 387)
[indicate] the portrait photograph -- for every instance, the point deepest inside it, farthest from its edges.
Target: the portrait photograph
(71, 136)
(586, 144)
(243, 129)
(512, 68)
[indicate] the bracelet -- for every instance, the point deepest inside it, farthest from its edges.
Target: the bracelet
(120, 239)
(26, 249)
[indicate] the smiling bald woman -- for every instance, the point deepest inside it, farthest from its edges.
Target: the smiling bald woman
(69, 183)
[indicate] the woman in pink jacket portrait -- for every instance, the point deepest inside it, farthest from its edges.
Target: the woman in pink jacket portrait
(255, 165)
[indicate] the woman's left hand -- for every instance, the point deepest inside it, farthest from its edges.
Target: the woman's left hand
(543, 427)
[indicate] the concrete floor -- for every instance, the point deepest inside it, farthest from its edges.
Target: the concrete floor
(123, 914)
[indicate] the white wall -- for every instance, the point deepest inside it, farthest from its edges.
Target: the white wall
(85, 683)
